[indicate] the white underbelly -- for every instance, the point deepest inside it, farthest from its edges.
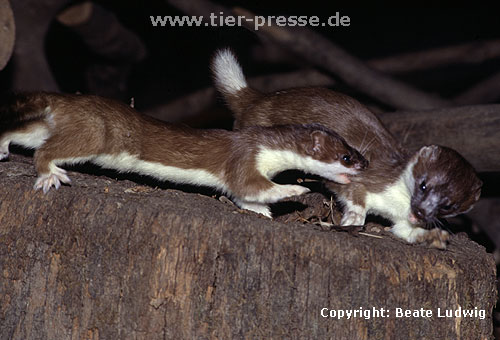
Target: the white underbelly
(393, 203)
(125, 162)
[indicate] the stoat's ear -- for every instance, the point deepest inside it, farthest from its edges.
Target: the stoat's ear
(479, 185)
(317, 142)
(429, 152)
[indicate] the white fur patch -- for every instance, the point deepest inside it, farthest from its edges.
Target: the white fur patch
(53, 178)
(227, 72)
(4, 149)
(255, 207)
(353, 214)
(277, 193)
(395, 201)
(125, 162)
(271, 162)
(406, 231)
(31, 139)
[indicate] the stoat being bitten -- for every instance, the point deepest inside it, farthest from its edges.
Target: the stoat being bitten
(413, 191)
(70, 129)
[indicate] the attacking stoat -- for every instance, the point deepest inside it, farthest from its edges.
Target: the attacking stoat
(70, 129)
(413, 191)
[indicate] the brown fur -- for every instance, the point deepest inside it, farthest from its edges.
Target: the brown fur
(83, 126)
(451, 182)
(337, 112)
(363, 131)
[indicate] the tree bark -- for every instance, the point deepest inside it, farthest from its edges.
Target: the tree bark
(485, 91)
(106, 259)
(474, 131)
(475, 52)
(193, 103)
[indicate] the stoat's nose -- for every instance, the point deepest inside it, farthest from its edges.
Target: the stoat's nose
(419, 213)
(363, 164)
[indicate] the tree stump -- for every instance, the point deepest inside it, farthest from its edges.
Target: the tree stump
(107, 259)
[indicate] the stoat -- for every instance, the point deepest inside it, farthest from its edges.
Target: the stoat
(71, 129)
(412, 191)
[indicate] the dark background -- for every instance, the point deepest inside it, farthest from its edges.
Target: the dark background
(178, 57)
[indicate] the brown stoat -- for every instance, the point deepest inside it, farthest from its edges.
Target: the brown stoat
(411, 190)
(70, 129)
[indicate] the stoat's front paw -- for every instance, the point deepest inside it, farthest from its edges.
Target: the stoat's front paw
(259, 208)
(352, 218)
(436, 238)
(354, 214)
(4, 154)
(290, 190)
(54, 178)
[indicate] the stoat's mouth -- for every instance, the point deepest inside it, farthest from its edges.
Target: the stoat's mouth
(343, 178)
(421, 222)
(414, 219)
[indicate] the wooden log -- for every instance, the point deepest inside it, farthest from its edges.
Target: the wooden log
(102, 260)
(195, 102)
(486, 214)
(325, 54)
(469, 52)
(484, 92)
(474, 131)
(7, 32)
(475, 52)
(31, 70)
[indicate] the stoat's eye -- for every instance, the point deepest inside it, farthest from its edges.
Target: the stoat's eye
(346, 159)
(446, 207)
(423, 186)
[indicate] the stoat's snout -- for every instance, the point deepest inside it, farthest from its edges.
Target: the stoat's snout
(352, 159)
(445, 185)
(353, 162)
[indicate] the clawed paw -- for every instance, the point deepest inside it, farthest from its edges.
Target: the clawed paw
(53, 179)
(4, 154)
(294, 190)
(436, 238)
(256, 207)
(352, 218)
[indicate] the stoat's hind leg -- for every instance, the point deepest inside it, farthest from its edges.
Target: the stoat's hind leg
(54, 178)
(49, 175)
(55, 151)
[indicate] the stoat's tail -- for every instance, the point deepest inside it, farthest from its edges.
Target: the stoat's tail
(231, 83)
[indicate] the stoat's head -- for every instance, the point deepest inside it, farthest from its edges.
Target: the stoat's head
(340, 160)
(445, 184)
